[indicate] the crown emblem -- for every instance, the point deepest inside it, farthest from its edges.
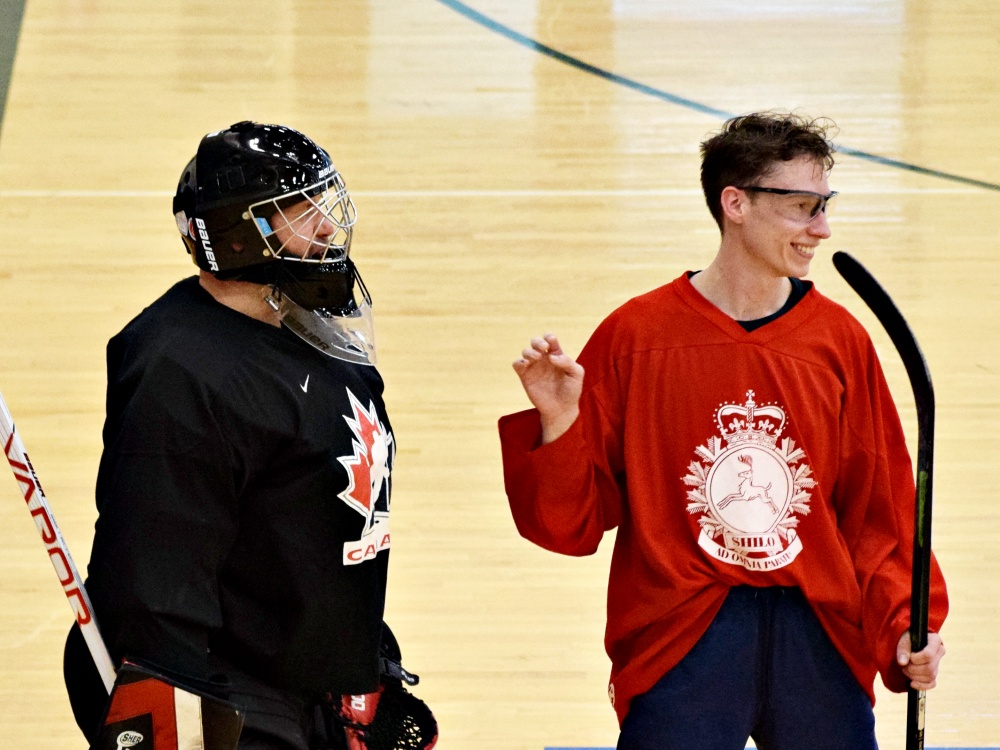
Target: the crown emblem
(749, 424)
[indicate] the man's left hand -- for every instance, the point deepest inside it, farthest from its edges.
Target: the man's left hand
(921, 667)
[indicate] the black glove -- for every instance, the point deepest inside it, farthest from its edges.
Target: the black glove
(391, 718)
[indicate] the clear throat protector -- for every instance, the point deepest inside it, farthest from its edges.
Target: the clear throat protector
(347, 336)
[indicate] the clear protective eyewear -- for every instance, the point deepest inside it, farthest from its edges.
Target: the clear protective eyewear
(798, 205)
(312, 224)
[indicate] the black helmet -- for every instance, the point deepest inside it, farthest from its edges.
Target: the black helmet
(232, 196)
(263, 203)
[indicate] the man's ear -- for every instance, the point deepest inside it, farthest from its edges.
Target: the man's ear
(734, 204)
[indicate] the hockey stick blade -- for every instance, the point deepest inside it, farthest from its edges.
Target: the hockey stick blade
(878, 300)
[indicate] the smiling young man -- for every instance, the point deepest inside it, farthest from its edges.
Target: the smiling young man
(736, 429)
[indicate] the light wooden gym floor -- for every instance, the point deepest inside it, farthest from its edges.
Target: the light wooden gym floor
(504, 189)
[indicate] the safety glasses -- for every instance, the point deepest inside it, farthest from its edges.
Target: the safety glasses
(798, 205)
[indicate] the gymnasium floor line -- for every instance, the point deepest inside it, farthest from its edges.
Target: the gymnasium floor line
(681, 101)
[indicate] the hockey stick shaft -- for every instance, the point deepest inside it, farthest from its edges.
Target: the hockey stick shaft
(905, 342)
(55, 545)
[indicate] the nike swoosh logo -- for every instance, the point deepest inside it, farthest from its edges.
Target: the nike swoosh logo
(305, 385)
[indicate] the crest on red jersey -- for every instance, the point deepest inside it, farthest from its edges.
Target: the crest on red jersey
(749, 488)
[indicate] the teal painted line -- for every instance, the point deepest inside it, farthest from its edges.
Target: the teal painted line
(642, 88)
(11, 12)
(919, 170)
(562, 57)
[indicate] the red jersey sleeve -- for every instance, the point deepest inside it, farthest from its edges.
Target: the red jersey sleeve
(566, 494)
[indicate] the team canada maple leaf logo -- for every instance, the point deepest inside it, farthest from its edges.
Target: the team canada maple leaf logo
(369, 476)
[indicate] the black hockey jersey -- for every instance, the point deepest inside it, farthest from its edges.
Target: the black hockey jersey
(243, 499)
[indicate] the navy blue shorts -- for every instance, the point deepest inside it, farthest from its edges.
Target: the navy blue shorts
(764, 669)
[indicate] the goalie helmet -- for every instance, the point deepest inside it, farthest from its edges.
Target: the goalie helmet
(264, 203)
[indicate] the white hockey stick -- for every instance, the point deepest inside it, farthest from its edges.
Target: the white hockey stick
(54, 543)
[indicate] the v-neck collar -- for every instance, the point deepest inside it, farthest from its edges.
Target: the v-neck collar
(777, 327)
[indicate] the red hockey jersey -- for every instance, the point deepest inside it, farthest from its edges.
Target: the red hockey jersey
(725, 457)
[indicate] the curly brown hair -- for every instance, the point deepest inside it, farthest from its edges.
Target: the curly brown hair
(749, 146)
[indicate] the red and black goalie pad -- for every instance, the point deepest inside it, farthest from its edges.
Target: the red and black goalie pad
(148, 711)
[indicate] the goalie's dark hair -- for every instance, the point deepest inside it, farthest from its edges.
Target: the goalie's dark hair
(750, 146)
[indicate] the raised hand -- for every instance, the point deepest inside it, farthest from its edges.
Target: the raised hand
(553, 381)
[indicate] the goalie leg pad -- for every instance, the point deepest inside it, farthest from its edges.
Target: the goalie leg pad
(147, 708)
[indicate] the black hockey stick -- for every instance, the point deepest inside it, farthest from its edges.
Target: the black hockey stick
(923, 393)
